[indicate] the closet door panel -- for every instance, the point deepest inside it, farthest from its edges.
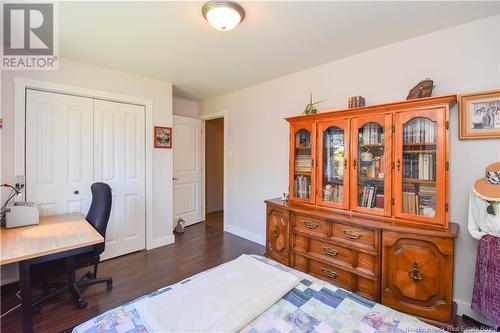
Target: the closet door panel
(120, 162)
(59, 156)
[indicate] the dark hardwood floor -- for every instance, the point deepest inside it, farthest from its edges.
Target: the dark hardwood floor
(215, 219)
(137, 274)
(134, 275)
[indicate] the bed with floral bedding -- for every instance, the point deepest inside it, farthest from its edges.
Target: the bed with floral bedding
(312, 306)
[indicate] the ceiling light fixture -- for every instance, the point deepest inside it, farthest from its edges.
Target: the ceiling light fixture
(223, 15)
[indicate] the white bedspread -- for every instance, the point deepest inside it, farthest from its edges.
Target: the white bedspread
(224, 299)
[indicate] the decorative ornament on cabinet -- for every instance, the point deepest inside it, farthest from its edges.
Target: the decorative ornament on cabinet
(421, 90)
(310, 109)
(355, 102)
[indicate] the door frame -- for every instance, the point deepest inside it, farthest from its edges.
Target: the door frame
(209, 116)
(20, 86)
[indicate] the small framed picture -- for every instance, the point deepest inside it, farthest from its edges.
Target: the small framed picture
(163, 137)
(480, 115)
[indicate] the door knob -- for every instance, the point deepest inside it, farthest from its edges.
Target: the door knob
(174, 178)
(76, 192)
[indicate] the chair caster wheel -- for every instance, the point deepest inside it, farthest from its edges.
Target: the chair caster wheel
(82, 304)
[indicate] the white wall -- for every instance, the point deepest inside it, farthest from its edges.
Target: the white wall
(186, 108)
(102, 79)
(461, 59)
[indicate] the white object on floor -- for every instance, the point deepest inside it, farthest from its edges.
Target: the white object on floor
(224, 299)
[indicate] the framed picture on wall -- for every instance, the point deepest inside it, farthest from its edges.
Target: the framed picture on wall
(163, 137)
(480, 115)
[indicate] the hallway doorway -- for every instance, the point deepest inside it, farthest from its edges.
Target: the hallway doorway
(214, 172)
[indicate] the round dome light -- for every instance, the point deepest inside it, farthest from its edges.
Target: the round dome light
(223, 15)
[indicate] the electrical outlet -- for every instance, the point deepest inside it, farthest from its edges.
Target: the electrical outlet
(20, 179)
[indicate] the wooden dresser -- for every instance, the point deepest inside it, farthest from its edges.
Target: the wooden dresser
(368, 206)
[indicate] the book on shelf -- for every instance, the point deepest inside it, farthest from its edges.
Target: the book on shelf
(302, 187)
(303, 163)
(368, 196)
(421, 166)
(421, 202)
(372, 134)
(419, 131)
(379, 201)
(427, 204)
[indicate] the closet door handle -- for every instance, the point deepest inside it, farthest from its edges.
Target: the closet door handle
(354, 163)
(398, 164)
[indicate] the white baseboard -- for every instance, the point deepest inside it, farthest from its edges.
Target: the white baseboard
(254, 237)
(162, 241)
(464, 308)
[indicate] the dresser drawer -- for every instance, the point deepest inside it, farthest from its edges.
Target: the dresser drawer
(355, 235)
(331, 251)
(332, 274)
(311, 225)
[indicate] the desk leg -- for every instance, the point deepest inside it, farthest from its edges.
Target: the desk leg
(26, 297)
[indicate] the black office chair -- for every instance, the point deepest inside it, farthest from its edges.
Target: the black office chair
(98, 217)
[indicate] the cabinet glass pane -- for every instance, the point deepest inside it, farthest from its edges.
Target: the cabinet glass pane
(371, 166)
(419, 167)
(303, 165)
(333, 165)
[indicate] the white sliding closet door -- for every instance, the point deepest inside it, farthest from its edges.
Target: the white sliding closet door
(119, 160)
(59, 152)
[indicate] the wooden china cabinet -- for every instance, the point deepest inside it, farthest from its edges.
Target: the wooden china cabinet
(368, 206)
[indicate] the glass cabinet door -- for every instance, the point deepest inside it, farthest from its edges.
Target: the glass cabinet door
(371, 164)
(333, 158)
(419, 183)
(303, 152)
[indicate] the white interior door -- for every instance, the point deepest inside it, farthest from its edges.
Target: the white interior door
(188, 169)
(59, 152)
(119, 160)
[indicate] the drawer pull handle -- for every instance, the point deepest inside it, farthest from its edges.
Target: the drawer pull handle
(311, 225)
(414, 274)
(329, 273)
(351, 234)
(329, 251)
(276, 232)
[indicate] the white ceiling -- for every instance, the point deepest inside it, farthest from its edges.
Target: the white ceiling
(171, 41)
